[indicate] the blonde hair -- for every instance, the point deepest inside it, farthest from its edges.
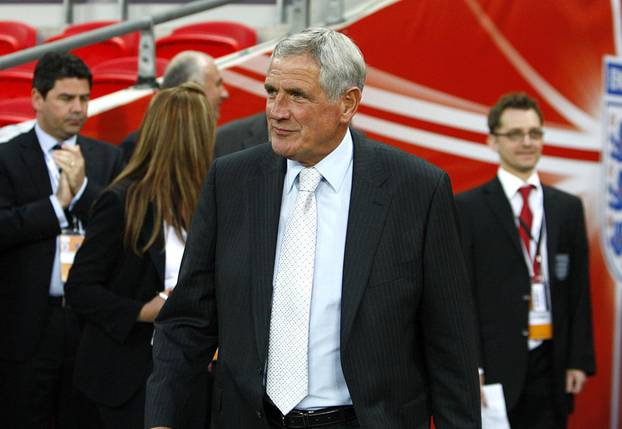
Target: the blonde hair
(171, 159)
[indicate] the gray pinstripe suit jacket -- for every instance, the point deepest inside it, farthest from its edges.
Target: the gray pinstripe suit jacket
(407, 327)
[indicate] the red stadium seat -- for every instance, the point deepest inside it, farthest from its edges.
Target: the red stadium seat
(15, 83)
(132, 40)
(16, 110)
(244, 35)
(94, 54)
(127, 65)
(106, 83)
(216, 46)
(8, 44)
(115, 47)
(24, 34)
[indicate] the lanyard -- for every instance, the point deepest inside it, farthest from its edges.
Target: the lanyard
(534, 265)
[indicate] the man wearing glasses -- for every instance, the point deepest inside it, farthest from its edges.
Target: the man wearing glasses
(526, 248)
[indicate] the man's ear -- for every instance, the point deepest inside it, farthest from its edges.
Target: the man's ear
(350, 101)
(37, 99)
(492, 142)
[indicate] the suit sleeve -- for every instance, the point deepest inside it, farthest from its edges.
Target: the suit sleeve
(186, 331)
(447, 319)
(581, 333)
(87, 288)
(25, 223)
(466, 240)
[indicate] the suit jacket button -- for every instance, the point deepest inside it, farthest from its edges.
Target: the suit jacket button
(259, 414)
(525, 333)
(526, 297)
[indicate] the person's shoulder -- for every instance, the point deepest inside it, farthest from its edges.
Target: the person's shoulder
(398, 161)
(475, 194)
(560, 195)
(241, 124)
(97, 144)
(13, 142)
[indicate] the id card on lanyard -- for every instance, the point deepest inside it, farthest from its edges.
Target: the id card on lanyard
(540, 319)
(70, 241)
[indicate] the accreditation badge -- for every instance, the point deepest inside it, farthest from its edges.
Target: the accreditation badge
(540, 320)
(70, 242)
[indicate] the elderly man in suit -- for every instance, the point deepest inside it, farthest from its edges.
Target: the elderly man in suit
(526, 249)
(241, 134)
(327, 269)
(49, 178)
(188, 66)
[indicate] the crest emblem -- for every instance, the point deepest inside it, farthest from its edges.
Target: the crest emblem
(612, 159)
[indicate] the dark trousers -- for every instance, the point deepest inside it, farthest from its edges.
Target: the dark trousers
(129, 415)
(40, 389)
(535, 408)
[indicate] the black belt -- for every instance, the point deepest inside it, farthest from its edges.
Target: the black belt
(310, 419)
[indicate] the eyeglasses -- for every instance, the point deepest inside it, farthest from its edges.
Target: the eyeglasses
(517, 136)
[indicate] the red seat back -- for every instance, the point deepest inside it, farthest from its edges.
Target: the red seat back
(8, 44)
(16, 110)
(106, 83)
(96, 53)
(132, 40)
(127, 65)
(243, 34)
(216, 46)
(15, 84)
(24, 34)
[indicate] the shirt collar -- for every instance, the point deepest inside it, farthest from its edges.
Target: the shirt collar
(47, 142)
(333, 167)
(511, 183)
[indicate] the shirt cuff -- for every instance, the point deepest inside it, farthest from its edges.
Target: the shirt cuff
(480, 371)
(78, 195)
(60, 213)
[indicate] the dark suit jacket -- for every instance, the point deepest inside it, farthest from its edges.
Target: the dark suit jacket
(501, 286)
(241, 134)
(406, 317)
(28, 230)
(108, 286)
(128, 145)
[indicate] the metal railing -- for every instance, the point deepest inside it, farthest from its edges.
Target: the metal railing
(146, 54)
(299, 19)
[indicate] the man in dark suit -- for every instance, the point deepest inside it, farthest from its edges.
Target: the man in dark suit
(188, 66)
(526, 249)
(326, 268)
(49, 178)
(241, 134)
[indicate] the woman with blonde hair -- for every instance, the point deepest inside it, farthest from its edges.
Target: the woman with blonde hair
(130, 258)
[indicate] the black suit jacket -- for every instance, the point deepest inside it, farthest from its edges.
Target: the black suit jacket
(28, 230)
(501, 286)
(241, 134)
(108, 285)
(406, 316)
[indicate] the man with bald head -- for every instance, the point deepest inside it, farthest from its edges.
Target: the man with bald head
(188, 66)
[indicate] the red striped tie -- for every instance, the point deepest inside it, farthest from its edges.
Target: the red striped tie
(525, 218)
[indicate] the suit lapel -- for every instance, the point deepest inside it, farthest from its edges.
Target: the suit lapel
(500, 207)
(369, 203)
(86, 150)
(35, 163)
(265, 191)
(552, 218)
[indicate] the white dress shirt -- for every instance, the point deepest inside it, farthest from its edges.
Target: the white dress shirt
(47, 143)
(327, 386)
(511, 184)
